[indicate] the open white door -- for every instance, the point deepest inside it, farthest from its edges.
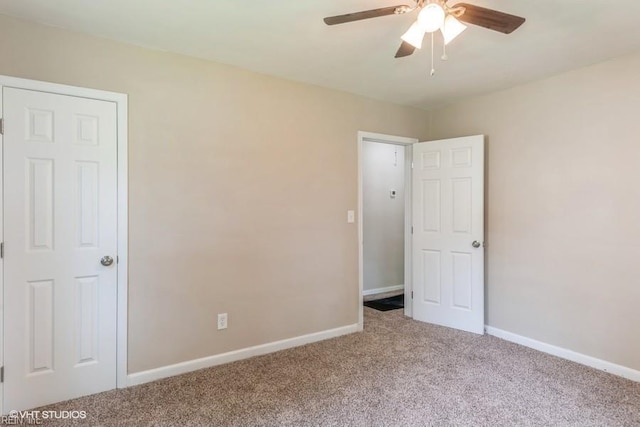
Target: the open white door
(448, 233)
(60, 264)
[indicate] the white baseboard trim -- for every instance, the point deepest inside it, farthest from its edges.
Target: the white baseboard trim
(382, 290)
(564, 353)
(232, 356)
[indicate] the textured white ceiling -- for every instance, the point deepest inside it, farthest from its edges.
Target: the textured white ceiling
(287, 38)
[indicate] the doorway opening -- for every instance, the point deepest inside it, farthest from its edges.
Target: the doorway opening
(384, 225)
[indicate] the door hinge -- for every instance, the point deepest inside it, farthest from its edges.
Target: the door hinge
(1, 126)
(411, 294)
(2, 250)
(412, 229)
(2, 374)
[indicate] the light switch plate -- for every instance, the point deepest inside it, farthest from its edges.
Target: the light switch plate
(351, 217)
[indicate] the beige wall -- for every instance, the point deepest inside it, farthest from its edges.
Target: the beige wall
(239, 187)
(563, 207)
(383, 216)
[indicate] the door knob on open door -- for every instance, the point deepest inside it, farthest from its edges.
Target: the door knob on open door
(106, 261)
(475, 244)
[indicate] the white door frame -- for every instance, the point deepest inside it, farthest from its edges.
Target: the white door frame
(122, 265)
(408, 286)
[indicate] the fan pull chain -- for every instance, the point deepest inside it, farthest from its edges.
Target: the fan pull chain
(433, 68)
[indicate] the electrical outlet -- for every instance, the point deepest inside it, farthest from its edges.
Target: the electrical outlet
(222, 321)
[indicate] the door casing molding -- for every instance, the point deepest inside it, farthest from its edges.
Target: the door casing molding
(408, 284)
(121, 101)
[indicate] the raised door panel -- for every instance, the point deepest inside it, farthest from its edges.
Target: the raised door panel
(430, 205)
(461, 280)
(86, 320)
(87, 220)
(40, 341)
(39, 125)
(39, 201)
(461, 205)
(431, 274)
(86, 129)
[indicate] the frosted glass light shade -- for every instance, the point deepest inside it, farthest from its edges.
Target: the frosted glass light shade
(452, 28)
(431, 17)
(414, 35)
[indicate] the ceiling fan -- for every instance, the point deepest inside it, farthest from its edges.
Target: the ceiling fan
(434, 15)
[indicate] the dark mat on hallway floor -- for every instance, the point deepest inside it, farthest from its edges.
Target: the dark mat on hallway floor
(386, 304)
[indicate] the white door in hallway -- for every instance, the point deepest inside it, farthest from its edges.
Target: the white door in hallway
(448, 233)
(60, 242)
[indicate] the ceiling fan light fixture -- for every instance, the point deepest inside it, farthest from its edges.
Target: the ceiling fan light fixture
(431, 17)
(414, 35)
(452, 28)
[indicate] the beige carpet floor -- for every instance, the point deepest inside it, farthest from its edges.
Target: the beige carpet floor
(397, 372)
